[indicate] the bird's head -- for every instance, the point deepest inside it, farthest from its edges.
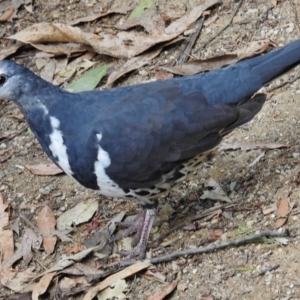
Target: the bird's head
(15, 81)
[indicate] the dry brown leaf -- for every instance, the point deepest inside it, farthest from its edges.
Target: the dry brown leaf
(74, 249)
(129, 271)
(4, 17)
(63, 49)
(44, 169)
(149, 19)
(30, 241)
(6, 235)
(46, 222)
(123, 44)
(67, 285)
(251, 146)
(166, 290)
(78, 214)
(254, 48)
(16, 280)
(7, 51)
(119, 10)
(197, 66)
(162, 75)
(47, 72)
(156, 275)
(132, 64)
(41, 287)
(282, 212)
(13, 6)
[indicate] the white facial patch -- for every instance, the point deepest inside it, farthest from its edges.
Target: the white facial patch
(107, 187)
(57, 147)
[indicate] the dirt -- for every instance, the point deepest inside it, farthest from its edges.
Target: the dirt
(224, 274)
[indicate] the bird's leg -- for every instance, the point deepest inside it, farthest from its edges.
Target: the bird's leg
(142, 226)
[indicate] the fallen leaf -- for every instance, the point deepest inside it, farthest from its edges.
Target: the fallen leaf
(47, 72)
(9, 50)
(162, 75)
(129, 271)
(44, 169)
(74, 249)
(12, 6)
(68, 261)
(80, 213)
(121, 10)
(41, 287)
(196, 66)
(45, 223)
(6, 235)
(166, 290)
(103, 235)
(88, 81)
(214, 192)
(30, 240)
(124, 44)
(19, 296)
(165, 212)
(130, 65)
(254, 48)
(157, 275)
(62, 49)
(144, 14)
(16, 280)
(114, 291)
(282, 213)
(69, 286)
(140, 8)
(4, 17)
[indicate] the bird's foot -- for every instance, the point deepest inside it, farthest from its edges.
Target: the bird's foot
(142, 226)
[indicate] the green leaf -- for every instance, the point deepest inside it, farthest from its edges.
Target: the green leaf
(140, 8)
(88, 81)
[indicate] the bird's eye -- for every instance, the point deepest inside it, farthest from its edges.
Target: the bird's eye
(3, 79)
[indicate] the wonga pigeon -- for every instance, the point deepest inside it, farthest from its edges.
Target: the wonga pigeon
(138, 141)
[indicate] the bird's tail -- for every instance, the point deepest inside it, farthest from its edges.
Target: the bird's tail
(275, 63)
(247, 111)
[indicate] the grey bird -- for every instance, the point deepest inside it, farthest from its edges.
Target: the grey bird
(137, 142)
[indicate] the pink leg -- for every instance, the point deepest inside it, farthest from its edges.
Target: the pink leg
(142, 226)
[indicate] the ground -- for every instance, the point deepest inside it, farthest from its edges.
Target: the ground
(224, 274)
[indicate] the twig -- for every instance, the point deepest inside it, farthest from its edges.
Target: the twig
(223, 29)
(264, 271)
(189, 44)
(209, 211)
(211, 248)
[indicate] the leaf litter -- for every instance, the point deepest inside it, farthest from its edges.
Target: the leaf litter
(31, 237)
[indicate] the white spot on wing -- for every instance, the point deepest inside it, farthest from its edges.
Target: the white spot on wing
(107, 187)
(57, 147)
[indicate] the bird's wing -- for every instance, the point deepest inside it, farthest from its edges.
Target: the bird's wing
(148, 138)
